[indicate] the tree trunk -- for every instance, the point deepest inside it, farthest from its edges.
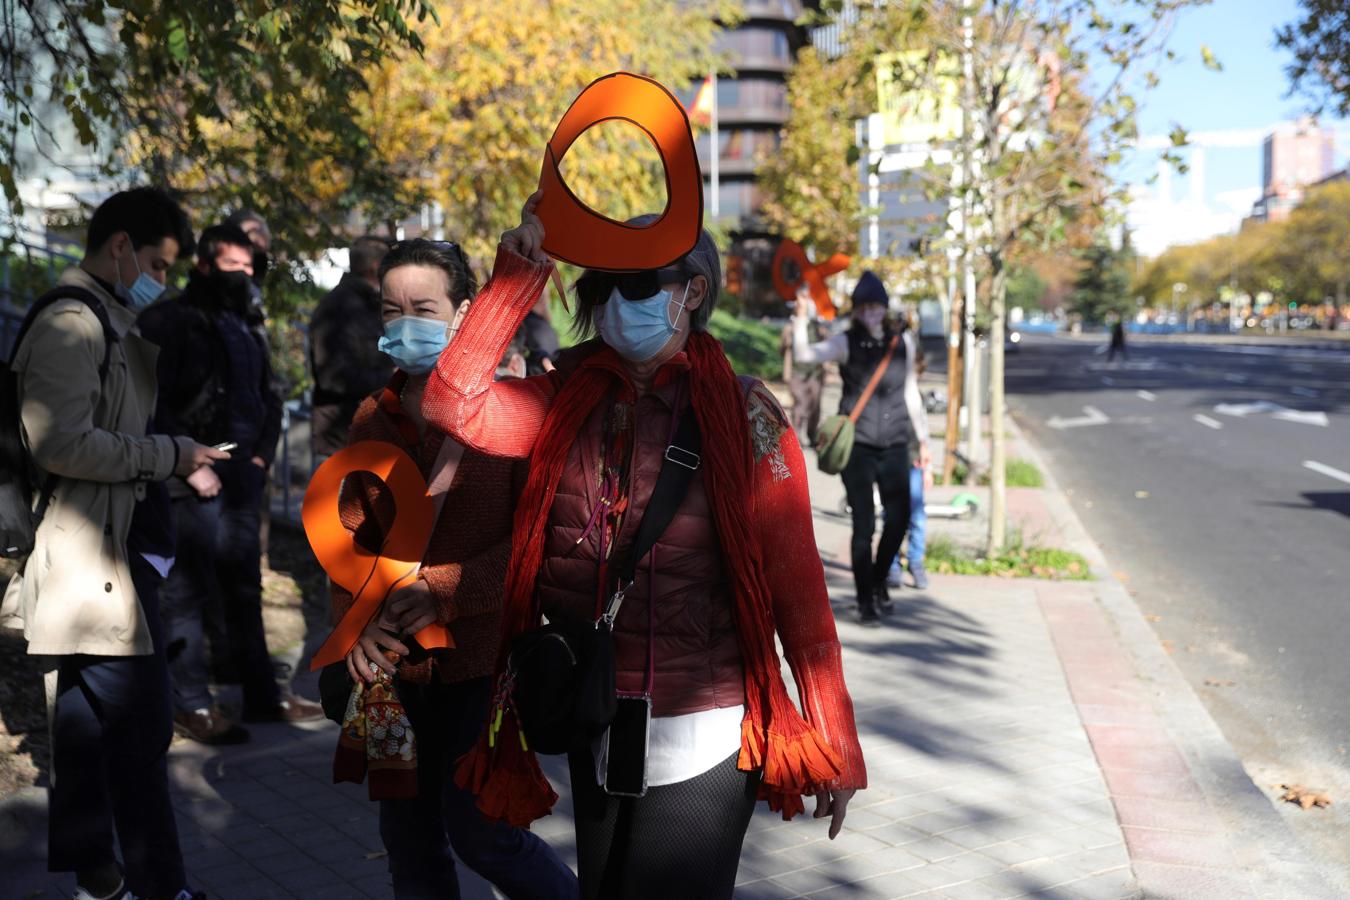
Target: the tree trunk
(998, 501)
(955, 371)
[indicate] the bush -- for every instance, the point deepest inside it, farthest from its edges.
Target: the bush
(752, 346)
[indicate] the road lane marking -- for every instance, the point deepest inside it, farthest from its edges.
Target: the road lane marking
(1305, 392)
(1326, 470)
(1207, 421)
(1146, 395)
(1093, 416)
(1303, 418)
(1242, 410)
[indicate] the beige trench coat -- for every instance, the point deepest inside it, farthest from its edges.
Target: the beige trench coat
(75, 594)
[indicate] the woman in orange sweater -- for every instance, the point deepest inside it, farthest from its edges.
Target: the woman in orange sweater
(426, 289)
(694, 635)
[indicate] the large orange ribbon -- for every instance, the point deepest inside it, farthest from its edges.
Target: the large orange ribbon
(812, 274)
(577, 234)
(370, 577)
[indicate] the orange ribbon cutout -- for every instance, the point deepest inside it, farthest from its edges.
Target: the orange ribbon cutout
(370, 577)
(577, 234)
(813, 275)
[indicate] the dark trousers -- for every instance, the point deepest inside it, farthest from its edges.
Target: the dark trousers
(420, 833)
(110, 732)
(806, 390)
(219, 549)
(679, 841)
(888, 469)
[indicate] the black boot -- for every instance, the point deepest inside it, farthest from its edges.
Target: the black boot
(881, 597)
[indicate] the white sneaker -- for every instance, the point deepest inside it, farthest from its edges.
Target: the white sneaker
(121, 893)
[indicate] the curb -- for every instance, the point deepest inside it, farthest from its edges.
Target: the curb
(1266, 848)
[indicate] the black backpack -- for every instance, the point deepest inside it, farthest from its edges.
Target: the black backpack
(19, 518)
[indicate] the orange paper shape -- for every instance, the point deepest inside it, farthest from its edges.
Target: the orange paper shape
(370, 577)
(813, 275)
(577, 234)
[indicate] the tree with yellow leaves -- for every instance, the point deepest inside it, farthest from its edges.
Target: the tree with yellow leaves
(465, 122)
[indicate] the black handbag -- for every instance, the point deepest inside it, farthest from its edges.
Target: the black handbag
(560, 677)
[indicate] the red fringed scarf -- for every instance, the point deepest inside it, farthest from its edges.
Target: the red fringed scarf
(775, 739)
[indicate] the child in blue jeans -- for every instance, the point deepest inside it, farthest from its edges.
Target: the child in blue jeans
(918, 522)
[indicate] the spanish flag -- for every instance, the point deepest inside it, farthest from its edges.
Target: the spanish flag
(701, 110)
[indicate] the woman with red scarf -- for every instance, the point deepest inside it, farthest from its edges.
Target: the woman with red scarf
(736, 567)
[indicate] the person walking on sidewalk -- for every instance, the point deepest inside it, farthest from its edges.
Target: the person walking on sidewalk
(343, 357)
(426, 289)
(806, 384)
(1117, 342)
(87, 596)
(694, 633)
(893, 417)
(216, 385)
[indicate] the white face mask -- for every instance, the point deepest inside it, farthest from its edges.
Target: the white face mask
(872, 316)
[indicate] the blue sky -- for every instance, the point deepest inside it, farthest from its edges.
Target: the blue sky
(1249, 94)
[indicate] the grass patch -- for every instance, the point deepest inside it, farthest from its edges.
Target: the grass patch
(945, 557)
(1018, 473)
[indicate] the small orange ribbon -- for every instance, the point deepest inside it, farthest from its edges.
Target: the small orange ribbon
(577, 234)
(370, 577)
(813, 275)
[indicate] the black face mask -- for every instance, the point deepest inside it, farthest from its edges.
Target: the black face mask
(261, 263)
(235, 289)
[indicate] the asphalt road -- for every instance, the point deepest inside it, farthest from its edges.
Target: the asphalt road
(1216, 478)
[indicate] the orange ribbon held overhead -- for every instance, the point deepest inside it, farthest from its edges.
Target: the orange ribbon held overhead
(577, 234)
(369, 576)
(813, 275)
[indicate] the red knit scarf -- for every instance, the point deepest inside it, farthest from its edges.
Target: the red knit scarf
(775, 739)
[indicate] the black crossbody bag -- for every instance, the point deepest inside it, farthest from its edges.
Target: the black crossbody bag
(560, 677)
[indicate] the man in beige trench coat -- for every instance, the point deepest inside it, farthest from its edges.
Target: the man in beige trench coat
(86, 597)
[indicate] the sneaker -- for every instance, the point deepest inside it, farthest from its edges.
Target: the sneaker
(881, 598)
(119, 893)
(916, 571)
(867, 616)
(210, 727)
(289, 708)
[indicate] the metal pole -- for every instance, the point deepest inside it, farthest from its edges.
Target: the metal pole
(716, 155)
(973, 385)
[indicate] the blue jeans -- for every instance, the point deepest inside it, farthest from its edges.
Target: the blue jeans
(219, 549)
(111, 729)
(420, 833)
(918, 518)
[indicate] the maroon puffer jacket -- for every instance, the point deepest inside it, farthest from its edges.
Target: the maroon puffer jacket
(698, 661)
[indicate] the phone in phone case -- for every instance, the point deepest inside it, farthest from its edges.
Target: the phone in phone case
(626, 742)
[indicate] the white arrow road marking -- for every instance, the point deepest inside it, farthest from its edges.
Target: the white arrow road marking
(1207, 421)
(1094, 416)
(1303, 418)
(1146, 395)
(1305, 392)
(1327, 470)
(1242, 410)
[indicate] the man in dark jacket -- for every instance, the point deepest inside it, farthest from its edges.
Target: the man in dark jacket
(344, 355)
(215, 385)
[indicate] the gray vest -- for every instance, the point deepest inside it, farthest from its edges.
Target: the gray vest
(884, 421)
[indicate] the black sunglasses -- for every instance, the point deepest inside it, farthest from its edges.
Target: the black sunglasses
(594, 288)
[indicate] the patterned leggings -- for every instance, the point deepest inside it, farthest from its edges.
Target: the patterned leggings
(680, 841)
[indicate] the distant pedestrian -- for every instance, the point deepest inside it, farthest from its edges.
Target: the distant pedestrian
(920, 482)
(538, 339)
(343, 355)
(1117, 341)
(893, 416)
(216, 385)
(806, 384)
(260, 236)
(427, 290)
(87, 597)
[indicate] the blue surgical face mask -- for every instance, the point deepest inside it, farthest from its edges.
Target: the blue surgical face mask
(415, 343)
(637, 329)
(143, 291)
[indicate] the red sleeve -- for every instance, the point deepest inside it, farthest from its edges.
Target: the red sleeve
(801, 604)
(501, 418)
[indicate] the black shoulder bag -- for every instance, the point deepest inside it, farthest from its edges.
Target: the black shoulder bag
(560, 677)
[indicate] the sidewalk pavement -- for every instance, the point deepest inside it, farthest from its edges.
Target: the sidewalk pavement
(1022, 738)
